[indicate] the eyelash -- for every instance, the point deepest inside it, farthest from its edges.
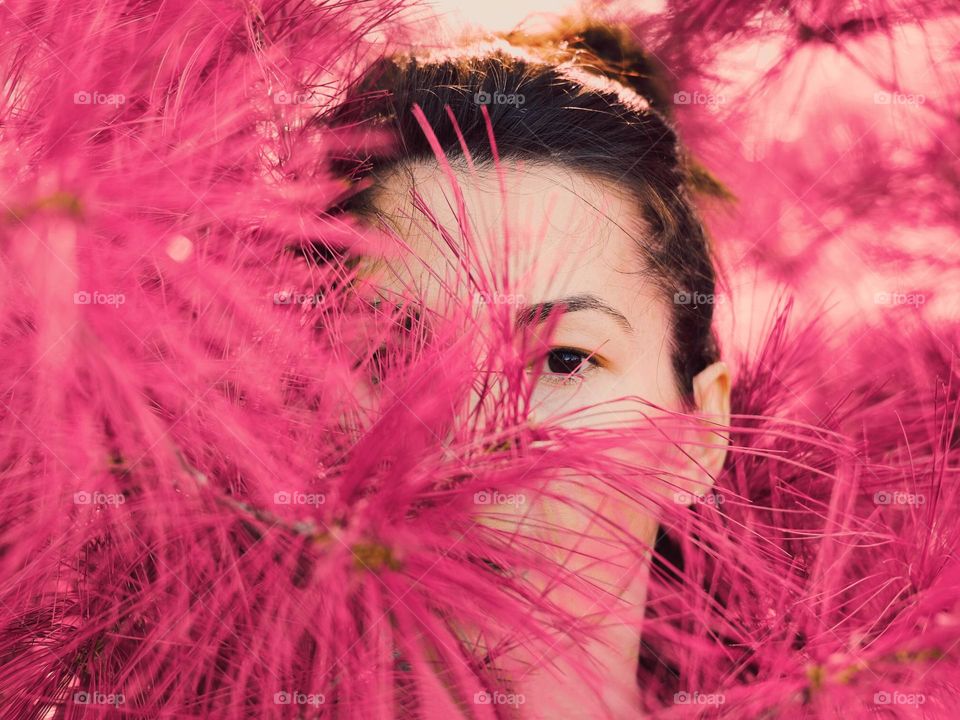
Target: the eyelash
(587, 364)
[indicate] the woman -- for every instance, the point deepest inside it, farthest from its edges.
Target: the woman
(465, 446)
(547, 163)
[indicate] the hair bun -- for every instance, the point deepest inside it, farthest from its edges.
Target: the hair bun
(613, 52)
(625, 60)
(608, 50)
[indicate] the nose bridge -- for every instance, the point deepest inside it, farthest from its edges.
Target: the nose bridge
(493, 394)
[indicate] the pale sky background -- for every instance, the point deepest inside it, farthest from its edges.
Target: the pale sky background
(498, 15)
(494, 14)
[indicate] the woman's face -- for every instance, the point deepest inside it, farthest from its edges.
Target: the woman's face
(571, 247)
(572, 242)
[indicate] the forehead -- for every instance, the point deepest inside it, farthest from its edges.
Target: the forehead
(554, 230)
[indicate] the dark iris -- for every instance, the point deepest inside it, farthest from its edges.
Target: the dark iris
(563, 361)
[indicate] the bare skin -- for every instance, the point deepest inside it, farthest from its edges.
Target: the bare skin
(584, 256)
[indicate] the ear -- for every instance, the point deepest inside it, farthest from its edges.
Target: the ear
(711, 394)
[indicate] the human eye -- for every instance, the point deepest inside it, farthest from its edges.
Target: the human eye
(566, 365)
(398, 330)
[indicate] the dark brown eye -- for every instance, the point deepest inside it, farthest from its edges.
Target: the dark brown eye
(567, 361)
(403, 332)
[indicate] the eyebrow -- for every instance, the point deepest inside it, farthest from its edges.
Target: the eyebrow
(539, 312)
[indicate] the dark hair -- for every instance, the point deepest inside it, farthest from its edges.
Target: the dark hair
(605, 118)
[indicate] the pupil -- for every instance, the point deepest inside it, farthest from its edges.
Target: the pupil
(564, 362)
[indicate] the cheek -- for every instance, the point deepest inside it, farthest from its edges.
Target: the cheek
(600, 532)
(641, 403)
(595, 534)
